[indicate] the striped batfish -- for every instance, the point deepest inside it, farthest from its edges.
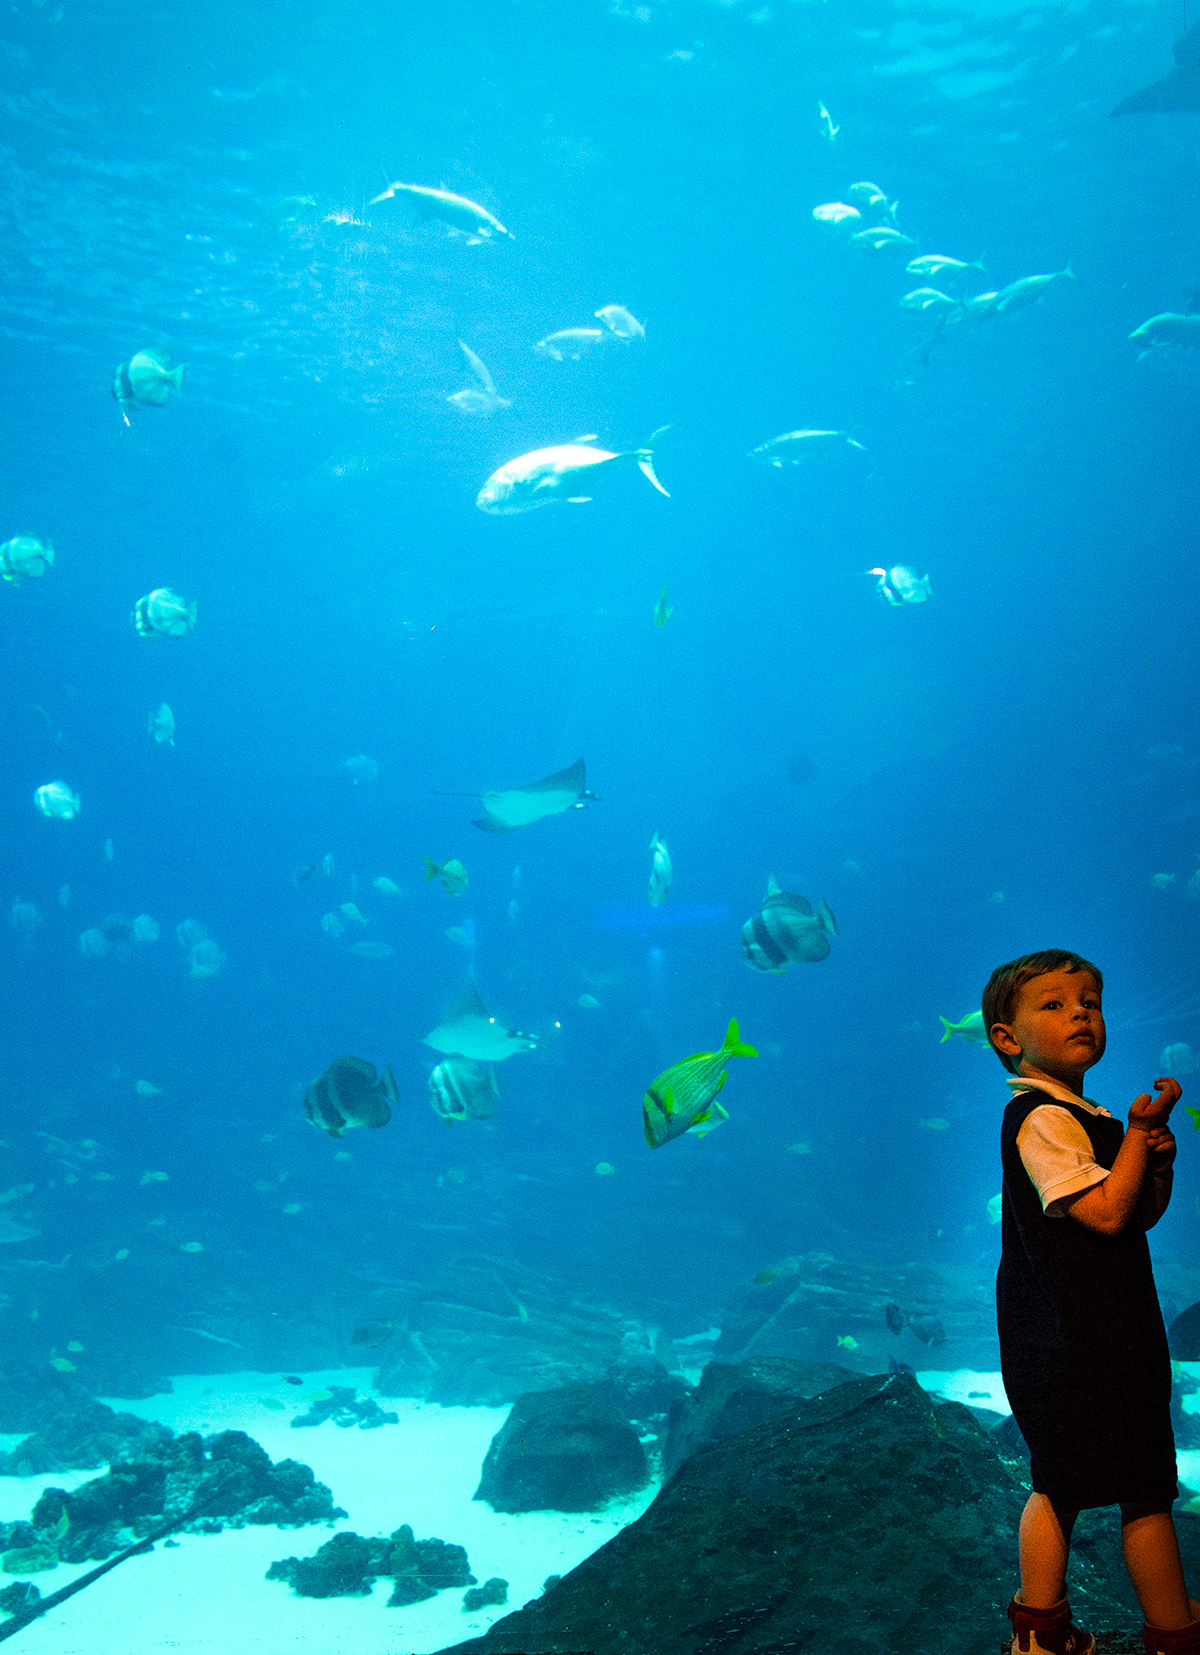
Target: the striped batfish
(462, 1090)
(785, 931)
(684, 1097)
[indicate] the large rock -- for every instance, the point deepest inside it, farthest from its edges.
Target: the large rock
(33, 1393)
(732, 1398)
(569, 1449)
(82, 1439)
(802, 1307)
(862, 1520)
(168, 1478)
(485, 1330)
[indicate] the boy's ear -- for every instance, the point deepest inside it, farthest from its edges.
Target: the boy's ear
(1004, 1040)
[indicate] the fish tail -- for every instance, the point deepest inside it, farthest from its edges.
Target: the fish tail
(645, 458)
(1067, 271)
(950, 1028)
(431, 868)
(734, 1044)
(176, 378)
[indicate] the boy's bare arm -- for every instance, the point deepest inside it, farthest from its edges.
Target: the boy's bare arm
(1108, 1207)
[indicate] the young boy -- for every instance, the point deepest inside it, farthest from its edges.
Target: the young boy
(1082, 1344)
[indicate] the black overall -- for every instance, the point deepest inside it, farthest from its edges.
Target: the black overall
(1083, 1350)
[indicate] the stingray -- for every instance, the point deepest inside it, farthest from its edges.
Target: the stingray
(467, 1030)
(1179, 90)
(520, 806)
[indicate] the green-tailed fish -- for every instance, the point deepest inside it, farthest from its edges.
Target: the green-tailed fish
(970, 1027)
(684, 1097)
(452, 874)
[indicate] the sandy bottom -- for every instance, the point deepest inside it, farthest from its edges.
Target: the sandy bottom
(209, 1593)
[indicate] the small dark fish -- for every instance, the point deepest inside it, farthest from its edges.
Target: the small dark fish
(306, 872)
(370, 1334)
(928, 1329)
(895, 1318)
(292, 1379)
(348, 1094)
(900, 1367)
(116, 928)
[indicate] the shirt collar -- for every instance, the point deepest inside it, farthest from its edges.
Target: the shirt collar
(1026, 1083)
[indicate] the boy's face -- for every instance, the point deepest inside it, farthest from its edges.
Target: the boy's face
(1056, 1027)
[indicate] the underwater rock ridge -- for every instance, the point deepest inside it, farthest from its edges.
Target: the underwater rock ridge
(865, 1518)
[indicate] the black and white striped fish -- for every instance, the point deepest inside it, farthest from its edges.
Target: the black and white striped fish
(785, 931)
(463, 1090)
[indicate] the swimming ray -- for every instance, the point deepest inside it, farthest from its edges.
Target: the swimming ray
(469, 1030)
(521, 806)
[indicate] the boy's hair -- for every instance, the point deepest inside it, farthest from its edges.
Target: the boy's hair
(1007, 981)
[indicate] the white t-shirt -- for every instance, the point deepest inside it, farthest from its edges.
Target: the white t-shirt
(1055, 1150)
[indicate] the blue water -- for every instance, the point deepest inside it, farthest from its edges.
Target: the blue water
(169, 177)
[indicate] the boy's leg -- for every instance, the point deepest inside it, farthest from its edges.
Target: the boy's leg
(1045, 1546)
(1151, 1553)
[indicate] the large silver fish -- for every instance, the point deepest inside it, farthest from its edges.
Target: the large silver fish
(465, 217)
(660, 871)
(521, 806)
(795, 447)
(462, 1090)
(785, 931)
(469, 1030)
(546, 476)
(349, 1094)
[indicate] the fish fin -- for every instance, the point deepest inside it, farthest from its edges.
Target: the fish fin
(176, 377)
(431, 868)
(384, 195)
(950, 1028)
(735, 1045)
(645, 459)
(387, 1085)
(590, 437)
(825, 915)
(772, 885)
(854, 443)
(466, 1004)
(490, 824)
(579, 499)
(572, 779)
(1067, 271)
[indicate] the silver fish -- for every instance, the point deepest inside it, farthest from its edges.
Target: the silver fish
(1020, 295)
(572, 343)
(483, 399)
(621, 323)
(660, 871)
(794, 447)
(464, 217)
(146, 380)
(546, 476)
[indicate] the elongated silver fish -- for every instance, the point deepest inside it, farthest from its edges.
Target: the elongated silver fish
(465, 217)
(547, 476)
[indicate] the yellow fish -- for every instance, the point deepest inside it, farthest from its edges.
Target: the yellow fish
(847, 1341)
(684, 1097)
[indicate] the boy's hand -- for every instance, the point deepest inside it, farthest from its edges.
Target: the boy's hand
(1161, 1144)
(1146, 1112)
